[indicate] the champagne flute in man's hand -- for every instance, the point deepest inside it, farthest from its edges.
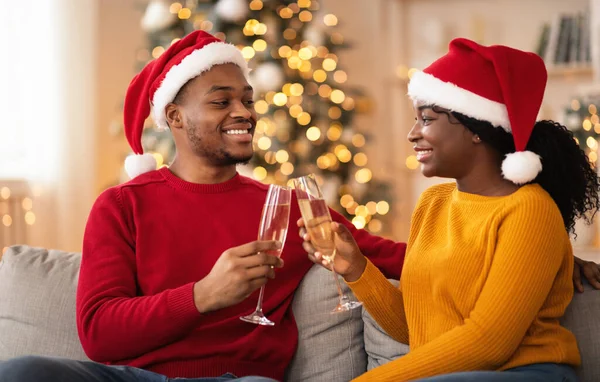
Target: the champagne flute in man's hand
(274, 224)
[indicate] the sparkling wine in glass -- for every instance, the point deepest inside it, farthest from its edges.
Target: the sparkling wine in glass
(274, 223)
(317, 220)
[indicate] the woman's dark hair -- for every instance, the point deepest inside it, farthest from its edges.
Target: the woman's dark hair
(567, 175)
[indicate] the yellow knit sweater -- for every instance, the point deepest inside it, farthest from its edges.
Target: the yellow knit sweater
(484, 284)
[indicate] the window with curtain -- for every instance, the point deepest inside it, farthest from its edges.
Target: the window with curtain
(30, 90)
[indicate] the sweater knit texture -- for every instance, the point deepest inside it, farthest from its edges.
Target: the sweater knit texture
(485, 282)
(149, 240)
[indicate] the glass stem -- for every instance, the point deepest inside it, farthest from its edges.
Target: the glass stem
(343, 297)
(260, 299)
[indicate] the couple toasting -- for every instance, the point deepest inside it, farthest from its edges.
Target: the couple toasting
(170, 257)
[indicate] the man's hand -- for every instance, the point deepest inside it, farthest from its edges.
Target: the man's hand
(238, 272)
(590, 270)
(349, 262)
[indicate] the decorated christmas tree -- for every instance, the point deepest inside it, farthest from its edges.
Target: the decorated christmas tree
(306, 112)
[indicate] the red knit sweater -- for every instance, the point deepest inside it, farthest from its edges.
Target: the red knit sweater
(149, 240)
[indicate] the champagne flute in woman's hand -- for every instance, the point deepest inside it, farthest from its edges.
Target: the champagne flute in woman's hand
(317, 221)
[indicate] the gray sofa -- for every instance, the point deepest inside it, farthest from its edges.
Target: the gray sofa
(37, 317)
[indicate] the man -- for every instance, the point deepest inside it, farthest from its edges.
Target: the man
(170, 258)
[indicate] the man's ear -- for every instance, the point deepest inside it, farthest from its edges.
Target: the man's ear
(173, 114)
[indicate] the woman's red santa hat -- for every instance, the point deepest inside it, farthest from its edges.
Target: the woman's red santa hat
(497, 84)
(160, 81)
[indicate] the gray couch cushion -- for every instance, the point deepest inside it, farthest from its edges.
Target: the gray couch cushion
(583, 319)
(330, 346)
(380, 347)
(37, 303)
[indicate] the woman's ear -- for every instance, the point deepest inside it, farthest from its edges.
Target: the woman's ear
(173, 114)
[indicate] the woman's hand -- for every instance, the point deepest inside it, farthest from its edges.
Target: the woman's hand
(348, 262)
(590, 270)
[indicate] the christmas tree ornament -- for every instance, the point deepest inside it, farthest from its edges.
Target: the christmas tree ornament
(232, 10)
(157, 16)
(268, 77)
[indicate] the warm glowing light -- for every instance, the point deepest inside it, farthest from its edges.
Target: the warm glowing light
(264, 143)
(305, 53)
(184, 13)
(359, 222)
(360, 159)
(305, 16)
(7, 220)
(340, 76)
(329, 64)
(286, 13)
(319, 75)
(592, 143)
(383, 207)
(287, 168)
(363, 175)
(345, 200)
(256, 5)
(592, 109)
(358, 140)
(575, 105)
(260, 173)
(296, 110)
(313, 133)
(248, 52)
(337, 96)
(29, 218)
(261, 107)
(375, 226)
(296, 89)
(284, 51)
(412, 162)
(27, 204)
(4, 192)
(282, 156)
(344, 156)
(304, 3)
(412, 71)
(289, 34)
(280, 99)
(334, 132)
(330, 20)
(324, 90)
(303, 118)
(587, 125)
(259, 45)
(334, 112)
(175, 8)
(157, 51)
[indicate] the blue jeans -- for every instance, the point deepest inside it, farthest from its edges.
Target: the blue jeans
(539, 372)
(45, 369)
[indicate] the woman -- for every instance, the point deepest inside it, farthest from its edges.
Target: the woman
(488, 269)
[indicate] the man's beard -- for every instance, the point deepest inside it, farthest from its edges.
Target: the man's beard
(218, 157)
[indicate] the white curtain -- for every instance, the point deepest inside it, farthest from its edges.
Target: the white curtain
(47, 103)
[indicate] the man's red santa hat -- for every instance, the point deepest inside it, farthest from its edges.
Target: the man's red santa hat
(160, 81)
(497, 84)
